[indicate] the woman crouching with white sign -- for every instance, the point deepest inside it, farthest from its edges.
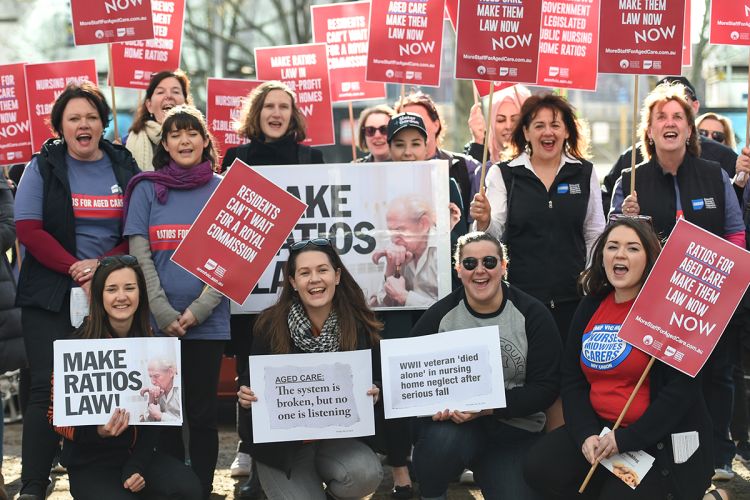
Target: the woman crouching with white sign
(115, 461)
(321, 309)
(160, 207)
(667, 419)
(490, 442)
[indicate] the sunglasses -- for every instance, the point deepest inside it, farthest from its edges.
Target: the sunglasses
(318, 242)
(128, 260)
(471, 263)
(715, 135)
(370, 131)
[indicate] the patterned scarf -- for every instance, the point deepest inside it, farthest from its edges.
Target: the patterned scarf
(301, 330)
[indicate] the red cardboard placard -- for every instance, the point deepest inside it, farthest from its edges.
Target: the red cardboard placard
(641, 37)
(305, 69)
(133, 63)
(108, 21)
(406, 41)
(497, 40)
(46, 81)
(238, 232)
(15, 135)
(569, 44)
(687, 44)
(344, 28)
(688, 298)
(730, 22)
(223, 104)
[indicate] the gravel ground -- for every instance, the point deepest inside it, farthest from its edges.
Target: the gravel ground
(225, 487)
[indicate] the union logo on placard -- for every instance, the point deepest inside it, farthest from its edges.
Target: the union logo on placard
(602, 348)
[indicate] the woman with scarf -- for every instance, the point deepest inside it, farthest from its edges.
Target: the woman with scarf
(321, 309)
(166, 90)
(160, 207)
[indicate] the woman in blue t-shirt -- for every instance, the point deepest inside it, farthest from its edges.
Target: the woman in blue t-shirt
(161, 206)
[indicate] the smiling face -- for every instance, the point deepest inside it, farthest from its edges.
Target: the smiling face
(505, 121)
(185, 146)
(408, 145)
(482, 285)
(276, 115)
(121, 296)
(432, 127)
(82, 129)
(166, 96)
(624, 262)
(377, 144)
(315, 281)
(547, 134)
(669, 127)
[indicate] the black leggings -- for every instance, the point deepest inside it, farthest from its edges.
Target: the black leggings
(40, 442)
(201, 362)
(166, 479)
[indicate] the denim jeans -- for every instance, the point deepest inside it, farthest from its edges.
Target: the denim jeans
(492, 450)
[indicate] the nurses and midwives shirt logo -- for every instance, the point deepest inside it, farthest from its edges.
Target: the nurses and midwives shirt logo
(602, 348)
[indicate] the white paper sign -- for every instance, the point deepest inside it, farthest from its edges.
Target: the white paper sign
(79, 306)
(630, 466)
(95, 377)
(458, 370)
(312, 396)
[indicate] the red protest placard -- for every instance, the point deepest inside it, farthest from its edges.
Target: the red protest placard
(687, 45)
(223, 104)
(406, 41)
(569, 44)
(497, 40)
(46, 81)
(133, 63)
(108, 21)
(305, 69)
(15, 136)
(688, 298)
(730, 22)
(344, 28)
(641, 37)
(238, 232)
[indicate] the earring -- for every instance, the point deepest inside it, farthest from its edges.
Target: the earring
(527, 149)
(650, 141)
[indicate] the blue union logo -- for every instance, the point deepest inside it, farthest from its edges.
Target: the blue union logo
(602, 348)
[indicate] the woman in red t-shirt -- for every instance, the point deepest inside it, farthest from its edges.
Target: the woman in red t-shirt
(599, 373)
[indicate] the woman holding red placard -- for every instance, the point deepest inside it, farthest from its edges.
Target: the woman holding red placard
(161, 206)
(667, 419)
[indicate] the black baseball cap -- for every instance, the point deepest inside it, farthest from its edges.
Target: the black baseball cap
(403, 121)
(689, 89)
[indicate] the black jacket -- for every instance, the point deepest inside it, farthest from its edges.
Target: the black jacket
(279, 455)
(12, 352)
(676, 405)
(282, 152)
(710, 150)
(544, 230)
(39, 286)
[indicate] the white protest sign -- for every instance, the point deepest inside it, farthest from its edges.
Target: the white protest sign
(312, 396)
(95, 377)
(458, 370)
(629, 466)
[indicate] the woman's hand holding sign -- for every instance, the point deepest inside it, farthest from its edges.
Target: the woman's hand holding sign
(117, 424)
(246, 397)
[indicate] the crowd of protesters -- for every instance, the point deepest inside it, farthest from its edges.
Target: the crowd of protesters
(532, 250)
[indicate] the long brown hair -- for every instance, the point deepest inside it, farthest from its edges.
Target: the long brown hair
(593, 280)
(348, 303)
(248, 123)
(97, 324)
(142, 115)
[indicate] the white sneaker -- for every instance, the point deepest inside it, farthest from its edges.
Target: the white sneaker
(724, 473)
(467, 477)
(241, 465)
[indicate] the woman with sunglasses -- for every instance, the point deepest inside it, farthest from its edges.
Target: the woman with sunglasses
(373, 133)
(115, 461)
(716, 127)
(161, 206)
(275, 128)
(490, 442)
(321, 309)
(68, 212)
(599, 373)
